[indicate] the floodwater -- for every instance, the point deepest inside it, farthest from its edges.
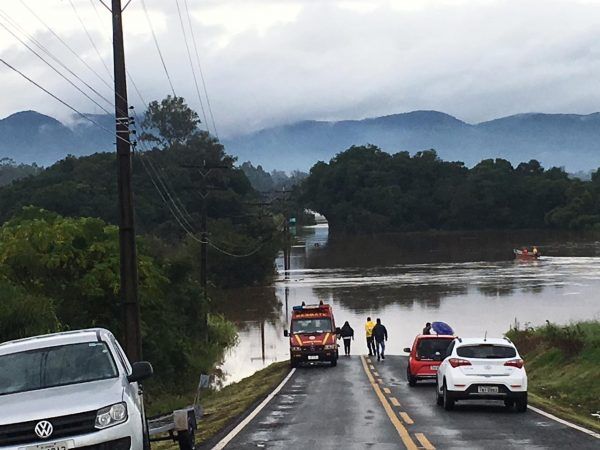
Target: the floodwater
(469, 280)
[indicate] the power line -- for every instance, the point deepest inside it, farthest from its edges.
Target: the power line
(89, 36)
(158, 47)
(6, 17)
(189, 53)
(67, 46)
(187, 10)
(60, 100)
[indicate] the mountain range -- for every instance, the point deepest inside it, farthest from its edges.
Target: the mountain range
(568, 140)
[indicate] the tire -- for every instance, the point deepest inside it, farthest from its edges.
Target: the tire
(412, 381)
(439, 399)
(447, 400)
(509, 403)
(334, 362)
(293, 364)
(187, 439)
(522, 404)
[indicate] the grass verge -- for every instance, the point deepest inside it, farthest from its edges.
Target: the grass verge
(563, 367)
(223, 408)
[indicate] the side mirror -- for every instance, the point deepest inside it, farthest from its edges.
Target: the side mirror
(407, 349)
(140, 371)
(286, 333)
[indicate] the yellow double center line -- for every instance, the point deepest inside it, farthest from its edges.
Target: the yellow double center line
(402, 431)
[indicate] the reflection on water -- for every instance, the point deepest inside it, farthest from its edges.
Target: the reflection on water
(468, 280)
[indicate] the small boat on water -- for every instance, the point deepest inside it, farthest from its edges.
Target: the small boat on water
(525, 255)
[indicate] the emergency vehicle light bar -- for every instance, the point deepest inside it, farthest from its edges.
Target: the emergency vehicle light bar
(303, 307)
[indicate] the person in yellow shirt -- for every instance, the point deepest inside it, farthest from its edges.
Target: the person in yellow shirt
(369, 331)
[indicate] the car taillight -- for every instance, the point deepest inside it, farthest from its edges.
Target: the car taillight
(456, 362)
(518, 363)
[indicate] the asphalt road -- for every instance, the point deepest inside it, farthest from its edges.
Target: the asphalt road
(363, 403)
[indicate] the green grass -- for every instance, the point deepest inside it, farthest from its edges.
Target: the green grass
(563, 366)
(222, 407)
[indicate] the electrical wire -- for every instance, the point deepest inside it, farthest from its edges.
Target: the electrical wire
(55, 69)
(14, 69)
(89, 36)
(189, 53)
(162, 59)
(187, 10)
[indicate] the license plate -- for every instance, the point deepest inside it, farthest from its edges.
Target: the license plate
(434, 368)
(62, 445)
(313, 357)
(487, 389)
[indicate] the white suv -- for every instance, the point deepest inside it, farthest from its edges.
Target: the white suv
(71, 390)
(481, 368)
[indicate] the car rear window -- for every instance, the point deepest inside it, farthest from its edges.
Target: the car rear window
(486, 351)
(427, 348)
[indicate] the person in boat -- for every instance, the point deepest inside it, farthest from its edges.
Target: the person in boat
(535, 252)
(427, 329)
(347, 334)
(525, 251)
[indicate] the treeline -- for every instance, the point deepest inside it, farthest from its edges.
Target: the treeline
(11, 171)
(59, 251)
(276, 180)
(365, 189)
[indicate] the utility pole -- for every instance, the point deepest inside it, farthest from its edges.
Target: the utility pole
(129, 273)
(204, 170)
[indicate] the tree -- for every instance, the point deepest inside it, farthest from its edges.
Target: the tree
(170, 122)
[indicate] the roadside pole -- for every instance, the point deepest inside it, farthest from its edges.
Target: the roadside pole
(129, 269)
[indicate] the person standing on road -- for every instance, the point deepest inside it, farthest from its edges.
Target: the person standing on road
(347, 334)
(380, 335)
(369, 330)
(427, 329)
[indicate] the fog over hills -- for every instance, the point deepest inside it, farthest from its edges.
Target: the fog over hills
(568, 140)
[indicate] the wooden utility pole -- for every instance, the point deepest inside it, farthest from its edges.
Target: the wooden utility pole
(129, 273)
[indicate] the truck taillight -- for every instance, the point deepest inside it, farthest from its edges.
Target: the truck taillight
(456, 362)
(518, 363)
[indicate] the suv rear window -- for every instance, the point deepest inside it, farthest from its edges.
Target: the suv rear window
(55, 366)
(427, 348)
(486, 351)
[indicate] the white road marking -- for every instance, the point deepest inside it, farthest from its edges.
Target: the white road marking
(233, 433)
(564, 422)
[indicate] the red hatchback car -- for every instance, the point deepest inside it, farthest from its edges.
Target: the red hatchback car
(426, 354)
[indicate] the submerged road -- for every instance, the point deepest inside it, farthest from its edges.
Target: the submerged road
(363, 403)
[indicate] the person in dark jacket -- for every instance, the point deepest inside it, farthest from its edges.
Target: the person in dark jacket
(347, 334)
(427, 329)
(380, 335)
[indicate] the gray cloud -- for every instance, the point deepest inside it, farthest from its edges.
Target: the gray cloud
(273, 62)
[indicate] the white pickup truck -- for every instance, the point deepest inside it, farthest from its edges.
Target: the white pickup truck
(73, 390)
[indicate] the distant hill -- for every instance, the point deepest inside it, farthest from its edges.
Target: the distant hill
(568, 140)
(29, 136)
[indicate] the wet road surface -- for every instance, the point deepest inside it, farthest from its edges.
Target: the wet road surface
(363, 403)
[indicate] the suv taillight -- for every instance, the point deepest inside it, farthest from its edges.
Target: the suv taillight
(456, 362)
(518, 363)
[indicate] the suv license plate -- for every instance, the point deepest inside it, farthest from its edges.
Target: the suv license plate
(487, 389)
(313, 357)
(62, 445)
(434, 368)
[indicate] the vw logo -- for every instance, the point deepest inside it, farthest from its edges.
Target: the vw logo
(44, 429)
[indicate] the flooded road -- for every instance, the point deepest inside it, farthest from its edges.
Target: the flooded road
(467, 280)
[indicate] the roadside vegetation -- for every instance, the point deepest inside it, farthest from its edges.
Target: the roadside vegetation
(563, 366)
(59, 249)
(366, 190)
(223, 407)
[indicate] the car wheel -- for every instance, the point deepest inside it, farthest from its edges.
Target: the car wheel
(448, 401)
(522, 404)
(293, 364)
(334, 362)
(412, 381)
(187, 439)
(439, 399)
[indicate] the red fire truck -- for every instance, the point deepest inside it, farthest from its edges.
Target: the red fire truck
(313, 335)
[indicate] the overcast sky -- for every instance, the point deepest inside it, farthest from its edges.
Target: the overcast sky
(269, 62)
